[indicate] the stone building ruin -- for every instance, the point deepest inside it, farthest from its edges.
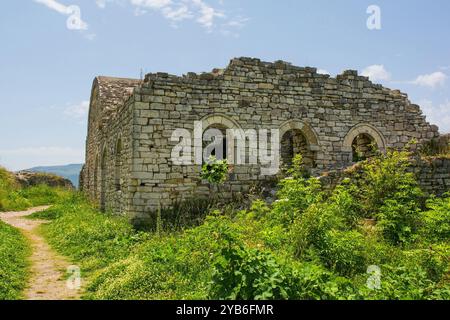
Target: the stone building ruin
(332, 122)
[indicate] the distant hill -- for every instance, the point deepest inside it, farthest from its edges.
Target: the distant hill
(70, 171)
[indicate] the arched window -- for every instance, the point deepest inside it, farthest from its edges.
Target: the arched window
(293, 142)
(297, 137)
(217, 125)
(215, 141)
(362, 142)
(364, 147)
(118, 165)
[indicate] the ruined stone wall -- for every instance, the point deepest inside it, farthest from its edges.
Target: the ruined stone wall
(251, 94)
(329, 113)
(106, 175)
(433, 174)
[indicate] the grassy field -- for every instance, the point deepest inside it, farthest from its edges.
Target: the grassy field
(14, 252)
(15, 198)
(374, 237)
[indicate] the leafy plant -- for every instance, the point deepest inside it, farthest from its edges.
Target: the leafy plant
(215, 171)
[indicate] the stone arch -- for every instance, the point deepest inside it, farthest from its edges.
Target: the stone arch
(222, 123)
(219, 119)
(363, 134)
(298, 137)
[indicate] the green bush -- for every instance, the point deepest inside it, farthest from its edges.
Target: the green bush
(385, 178)
(311, 228)
(294, 197)
(436, 221)
(247, 274)
(14, 252)
(405, 283)
(399, 221)
(215, 171)
(344, 252)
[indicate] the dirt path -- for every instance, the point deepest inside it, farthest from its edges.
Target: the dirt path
(47, 280)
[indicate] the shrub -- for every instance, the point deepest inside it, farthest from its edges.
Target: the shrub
(344, 252)
(405, 283)
(294, 197)
(215, 171)
(386, 178)
(247, 274)
(309, 281)
(343, 202)
(399, 219)
(311, 228)
(436, 221)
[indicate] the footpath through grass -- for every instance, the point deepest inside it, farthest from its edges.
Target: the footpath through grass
(14, 247)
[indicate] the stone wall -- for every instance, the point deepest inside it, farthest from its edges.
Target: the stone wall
(329, 112)
(433, 174)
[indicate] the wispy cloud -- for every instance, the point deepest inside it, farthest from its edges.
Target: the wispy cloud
(74, 21)
(432, 80)
(438, 114)
(176, 11)
(78, 111)
(376, 72)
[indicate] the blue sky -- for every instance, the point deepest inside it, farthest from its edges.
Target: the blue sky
(49, 54)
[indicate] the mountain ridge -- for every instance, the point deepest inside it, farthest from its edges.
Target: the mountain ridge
(69, 171)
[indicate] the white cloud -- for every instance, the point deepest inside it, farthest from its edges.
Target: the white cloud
(207, 14)
(78, 111)
(27, 157)
(74, 21)
(178, 14)
(176, 11)
(376, 72)
(238, 22)
(437, 114)
(432, 80)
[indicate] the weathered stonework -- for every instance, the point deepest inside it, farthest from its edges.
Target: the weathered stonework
(128, 148)
(433, 174)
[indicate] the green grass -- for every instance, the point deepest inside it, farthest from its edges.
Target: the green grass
(14, 252)
(15, 198)
(307, 245)
(89, 237)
